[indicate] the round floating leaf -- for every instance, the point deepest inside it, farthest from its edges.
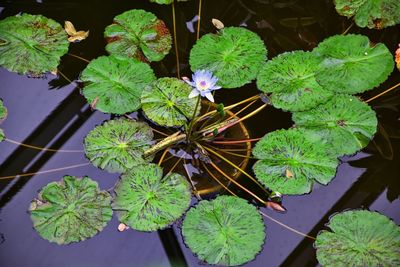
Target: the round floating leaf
(147, 201)
(114, 85)
(118, 145)
(31, 44)
(3, 115)
(225, 231)
(290, 77)
(376, 14)
(234, 55)
(138, 34)
(290, 162)
(167, 103)
(344, 123)
(71, 210)
(352, 64)
(359, 238)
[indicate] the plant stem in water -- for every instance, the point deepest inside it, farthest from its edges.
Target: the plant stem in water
(178, 71)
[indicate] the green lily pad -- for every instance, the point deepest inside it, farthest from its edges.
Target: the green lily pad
(31, 44)
(118, 145)
(352, 64)
(234, 55)
(70, 210)
(167, 103)
(290, 77)
(225, 231)
(289, 162)
(344, 124)
(3, 115)
(138, 34)
(359, 238)
(374, 14)
(147, 201)
(114, 85)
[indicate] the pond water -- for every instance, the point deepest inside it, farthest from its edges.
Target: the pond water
(50, 112)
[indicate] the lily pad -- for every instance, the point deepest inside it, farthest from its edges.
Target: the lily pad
(138, 34)
(374, 14)
(234, 55)
(31, 44)
(3, 115)
(114, 85)
(71, 210)
(290, 77)
(352, 64)
(147, 201)
(359, 238)
(118, 145)
(167, 103)
(225, 231)
(289, 162)
(344, 124)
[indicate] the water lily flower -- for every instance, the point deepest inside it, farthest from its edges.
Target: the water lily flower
(203, 84)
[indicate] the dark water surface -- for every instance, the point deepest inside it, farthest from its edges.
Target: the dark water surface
(51, 113)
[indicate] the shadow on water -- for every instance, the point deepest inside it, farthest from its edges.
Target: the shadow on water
(369, 179)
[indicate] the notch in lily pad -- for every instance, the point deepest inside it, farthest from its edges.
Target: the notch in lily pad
(138, 34)
(146, 200)
(31, 44)
(71, 210)
(359, 238)
(118, 145)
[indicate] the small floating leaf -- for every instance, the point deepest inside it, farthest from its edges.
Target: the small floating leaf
(71, 210)
(234, 55)
(147, 201)
(225, 231)
(31, 44)
(290, 77)
(114, 85)
(376, 14)
(352, 64)
(359, 238)
(344, 123)
(118, 145)
(138, 34)
(3, 115)
(74, 36)
(167, 102)
(289, 162)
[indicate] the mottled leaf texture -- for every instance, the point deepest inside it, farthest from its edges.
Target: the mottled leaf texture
(225, 231)
(234, 55)
(118, 145)
(3, 115)
(289, 162)
(359, 238)
(31, 44)
(138, 34)
(147, 201)
(71, 210)
(167, 103)
(351, 64)
(290, 77)
(374, 14)
(114, 85)
(344, 124)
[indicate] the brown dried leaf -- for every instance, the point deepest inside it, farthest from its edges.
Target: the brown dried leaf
(75, 36)
(218, 24)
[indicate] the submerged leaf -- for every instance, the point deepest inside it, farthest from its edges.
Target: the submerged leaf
(234, 55)
(31, 44)
(289, 162)
(225, 231)
(114, 85)
(344, 124)
(359, 238)
(376, 14)
(138, 34)
(71, 210)
(352, 64)
(290, 77)
(167, 103)
(147, 201)
(118, 145)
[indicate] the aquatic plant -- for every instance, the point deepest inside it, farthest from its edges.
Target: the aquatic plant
(203, 84)
(3, 115)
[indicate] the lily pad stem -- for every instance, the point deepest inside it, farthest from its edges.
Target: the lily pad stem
(164, 143)
(189, 131)
(199, 21)
(384, 92)
(178, 71)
